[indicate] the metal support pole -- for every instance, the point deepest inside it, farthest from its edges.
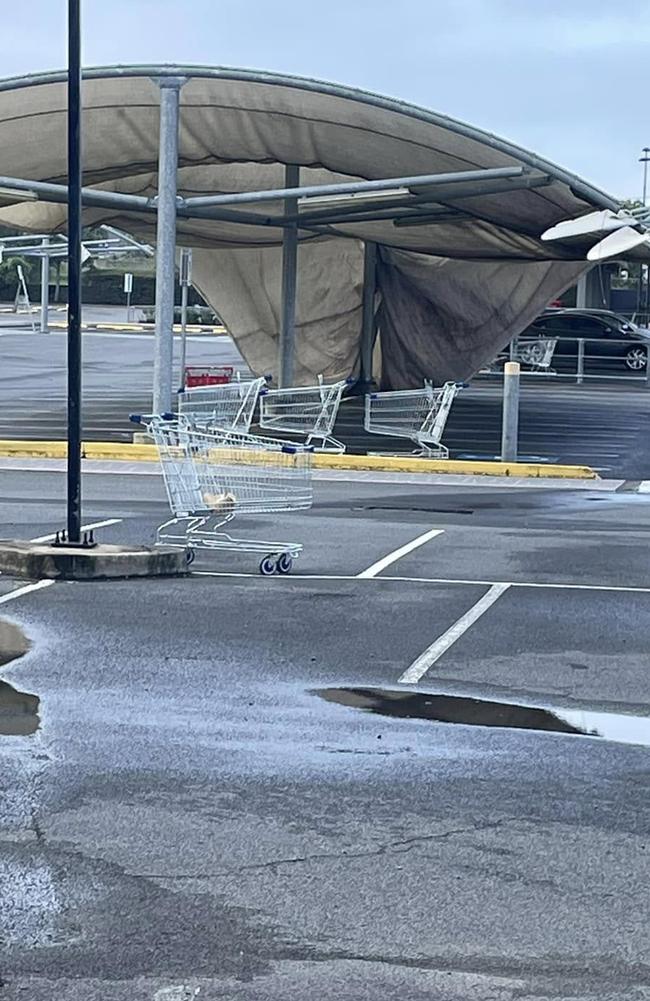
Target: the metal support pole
(581, 361)
(45, 285)
(186, 281)
(183, 336)
(368, 327)
(166, 245)
(286, 345)
(74, 271)
(510, 419)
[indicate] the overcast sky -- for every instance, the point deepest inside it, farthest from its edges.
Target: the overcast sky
(565, 78)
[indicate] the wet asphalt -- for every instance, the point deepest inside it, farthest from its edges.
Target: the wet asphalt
(191, 814)
(603, 423)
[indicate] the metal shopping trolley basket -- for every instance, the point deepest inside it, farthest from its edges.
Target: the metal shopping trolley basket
(307, 410)
(418, 414)
(228, 406)
(212, 476)
(536, 352)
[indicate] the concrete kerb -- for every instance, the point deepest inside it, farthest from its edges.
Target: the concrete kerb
(42, 561)
(141, 452)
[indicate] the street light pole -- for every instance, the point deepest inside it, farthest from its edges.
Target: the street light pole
(74, 272)
(645, 159)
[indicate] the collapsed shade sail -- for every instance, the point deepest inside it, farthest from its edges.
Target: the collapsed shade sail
(238, 131)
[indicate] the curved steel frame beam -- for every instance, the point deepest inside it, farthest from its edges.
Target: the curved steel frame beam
(581, 188)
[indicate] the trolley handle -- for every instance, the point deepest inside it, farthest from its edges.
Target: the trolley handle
(145, 418)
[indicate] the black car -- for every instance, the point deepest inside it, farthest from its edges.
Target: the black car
(609, 339)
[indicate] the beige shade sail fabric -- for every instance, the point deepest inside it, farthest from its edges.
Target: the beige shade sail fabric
(246, 285)
(238, 129)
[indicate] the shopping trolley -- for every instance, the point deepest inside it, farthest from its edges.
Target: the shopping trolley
(306, 410)
(228, 406)
(418, 414)
(213, 475)
(536, 353)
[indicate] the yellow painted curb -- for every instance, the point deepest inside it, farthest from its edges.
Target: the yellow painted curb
(123, 451)
(90, 450)
(33, 449)
(458, 467)
(126, 451)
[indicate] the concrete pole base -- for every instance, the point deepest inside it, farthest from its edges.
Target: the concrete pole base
(39, 561)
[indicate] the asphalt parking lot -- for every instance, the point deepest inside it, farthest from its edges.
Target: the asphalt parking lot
(276, 787)
(603, 425)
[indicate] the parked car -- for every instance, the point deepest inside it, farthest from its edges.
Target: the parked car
(609, 338)
(617, 318)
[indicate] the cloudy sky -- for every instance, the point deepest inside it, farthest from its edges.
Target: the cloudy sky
(565, 78)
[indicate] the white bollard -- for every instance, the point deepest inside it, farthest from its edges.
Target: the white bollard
(510, 417)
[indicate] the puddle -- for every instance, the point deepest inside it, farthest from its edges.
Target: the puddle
(622, 728)
(18, 710)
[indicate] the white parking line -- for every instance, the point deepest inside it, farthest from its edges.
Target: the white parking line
(84, 528)
(551, 585)
(386, 561)
(24, 590)
(428, 657)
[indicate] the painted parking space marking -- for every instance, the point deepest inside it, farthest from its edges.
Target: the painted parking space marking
(26, 589)
(551, 585)
(83, 528)
(434, 652)
(390, 558)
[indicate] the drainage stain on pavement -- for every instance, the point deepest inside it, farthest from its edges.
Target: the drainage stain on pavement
(619, 727)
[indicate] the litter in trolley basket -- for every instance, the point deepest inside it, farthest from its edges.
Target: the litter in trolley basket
(213, 475)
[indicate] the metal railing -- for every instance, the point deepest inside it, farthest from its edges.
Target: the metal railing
(585, 359)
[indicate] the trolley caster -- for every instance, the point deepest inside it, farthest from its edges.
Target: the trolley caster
(190, 556)
(284, 563)
(267, 566)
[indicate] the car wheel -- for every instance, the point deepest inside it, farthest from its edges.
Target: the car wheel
(636, 359)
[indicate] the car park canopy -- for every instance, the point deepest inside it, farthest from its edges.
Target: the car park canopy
(461, 269)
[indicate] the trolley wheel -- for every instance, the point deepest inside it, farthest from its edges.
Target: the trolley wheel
(190, 556)
(267, 566)
(284, 563)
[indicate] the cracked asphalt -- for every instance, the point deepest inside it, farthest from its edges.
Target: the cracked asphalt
(191, 816)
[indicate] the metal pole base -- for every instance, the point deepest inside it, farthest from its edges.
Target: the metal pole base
(61, 541)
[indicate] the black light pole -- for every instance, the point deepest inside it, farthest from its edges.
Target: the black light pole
(74, 271)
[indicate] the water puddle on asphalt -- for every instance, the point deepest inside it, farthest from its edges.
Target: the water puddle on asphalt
(18, 710)
(622, 728)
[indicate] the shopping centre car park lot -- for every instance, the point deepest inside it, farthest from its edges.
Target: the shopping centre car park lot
(191, 813)
(601, 423)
